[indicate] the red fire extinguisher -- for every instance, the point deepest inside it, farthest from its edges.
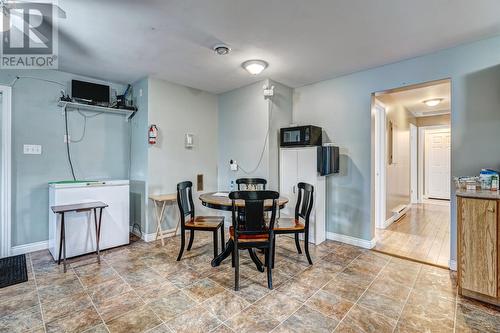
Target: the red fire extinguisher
(152, 134)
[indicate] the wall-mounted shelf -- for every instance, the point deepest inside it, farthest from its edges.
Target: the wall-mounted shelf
(95, 108)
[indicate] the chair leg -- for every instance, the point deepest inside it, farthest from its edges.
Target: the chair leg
(274, 253)
(222, 242)
(216, 242)
(236, 267)
(297, 244)
(306, 247)
(183, 243)
(269, 254)
(191, 238)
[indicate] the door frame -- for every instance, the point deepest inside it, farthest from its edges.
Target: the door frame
(414, 193)
(5, 191)
(380, 149)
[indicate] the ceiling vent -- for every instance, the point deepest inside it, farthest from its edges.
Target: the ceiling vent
(221, 49)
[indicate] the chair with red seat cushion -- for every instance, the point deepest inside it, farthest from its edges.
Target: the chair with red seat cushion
(250, 229)
(302, 213)
(201, 223)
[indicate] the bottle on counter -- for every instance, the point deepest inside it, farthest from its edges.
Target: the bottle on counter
(494, 182)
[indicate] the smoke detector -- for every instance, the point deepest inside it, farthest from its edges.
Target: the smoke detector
(221, 49)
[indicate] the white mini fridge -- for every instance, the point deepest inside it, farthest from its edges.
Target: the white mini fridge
(80, 228)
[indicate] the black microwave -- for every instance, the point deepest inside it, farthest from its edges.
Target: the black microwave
(301, 136)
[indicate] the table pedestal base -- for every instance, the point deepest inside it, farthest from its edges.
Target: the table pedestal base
(228, 251)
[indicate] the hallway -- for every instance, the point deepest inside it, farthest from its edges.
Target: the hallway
(422, 234)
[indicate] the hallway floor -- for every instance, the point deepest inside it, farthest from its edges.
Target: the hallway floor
(422, 234)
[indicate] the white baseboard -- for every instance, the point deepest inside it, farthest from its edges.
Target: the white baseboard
(367, 244)
(453, 265)
(395, 217)
(152, 237)
(27, 248)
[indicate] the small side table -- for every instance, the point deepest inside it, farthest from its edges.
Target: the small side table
(82, 207)
(161, 201)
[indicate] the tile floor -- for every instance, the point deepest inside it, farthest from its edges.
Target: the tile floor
(141, 288)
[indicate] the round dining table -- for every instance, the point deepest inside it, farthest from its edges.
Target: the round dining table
(221, 201)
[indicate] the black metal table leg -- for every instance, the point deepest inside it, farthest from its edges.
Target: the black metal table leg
(60, 240)
(226, 253)
(63, 238)
(98, 232)
(256, 260)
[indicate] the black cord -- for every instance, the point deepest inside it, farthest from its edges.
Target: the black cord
(67, 143)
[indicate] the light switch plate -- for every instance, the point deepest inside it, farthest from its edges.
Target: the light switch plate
(32, 149)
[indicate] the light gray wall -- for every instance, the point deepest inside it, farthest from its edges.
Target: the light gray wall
(243, 124)
(178, 110)
(280, 114)
(342, 107)
(444, 119)
(139, 156)
(36, 119)
(244, 119)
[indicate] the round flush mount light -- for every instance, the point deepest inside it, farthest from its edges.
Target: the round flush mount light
(221, 49)
(433, 102)
(254, 67)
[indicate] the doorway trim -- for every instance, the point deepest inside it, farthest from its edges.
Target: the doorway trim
(379, 110)
(414, 193)
(5, 191)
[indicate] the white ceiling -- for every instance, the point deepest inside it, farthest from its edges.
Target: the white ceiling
(412, 99)
(303, 41)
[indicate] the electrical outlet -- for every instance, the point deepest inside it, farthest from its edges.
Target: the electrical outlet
(32, 149)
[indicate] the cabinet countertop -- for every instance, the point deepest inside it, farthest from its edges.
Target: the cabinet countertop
(479, 194)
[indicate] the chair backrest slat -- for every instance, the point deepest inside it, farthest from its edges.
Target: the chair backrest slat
(304, 201)
(252, 184)
(185, 200)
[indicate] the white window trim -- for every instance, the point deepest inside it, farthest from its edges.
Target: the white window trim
(5, 192)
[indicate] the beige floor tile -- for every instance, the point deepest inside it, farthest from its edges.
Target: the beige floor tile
(22, 321)
(135, 321)
(364, 320)
(471, 319)
(297, 290)
(383, 286)
(195, 320)
(172, 305)
(108, 289)
(329, 304)
(252, 322)
(77, 321)
(306, 319)
(9, 305)
(384, 305)
(203, 289)
(225, 305)
(64, 306)
(277, 305)
(116, 306)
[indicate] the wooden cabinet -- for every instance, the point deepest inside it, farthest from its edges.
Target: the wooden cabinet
(478, 248)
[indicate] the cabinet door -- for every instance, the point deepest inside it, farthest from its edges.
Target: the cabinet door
(288, 180)
(478, 246)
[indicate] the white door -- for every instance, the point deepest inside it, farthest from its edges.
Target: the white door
(288, 176)
(437, 163)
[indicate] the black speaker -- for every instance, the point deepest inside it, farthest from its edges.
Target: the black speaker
(328, 160)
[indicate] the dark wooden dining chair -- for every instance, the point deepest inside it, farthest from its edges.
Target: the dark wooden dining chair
(192, 223)
(252, 184)
(249, 229)
(300, 223)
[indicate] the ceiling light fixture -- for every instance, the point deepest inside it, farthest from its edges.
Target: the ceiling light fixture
(433, 102)
(254, 67)
(221, 49)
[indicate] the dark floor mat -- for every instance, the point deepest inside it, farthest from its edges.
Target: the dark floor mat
(13, 270)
